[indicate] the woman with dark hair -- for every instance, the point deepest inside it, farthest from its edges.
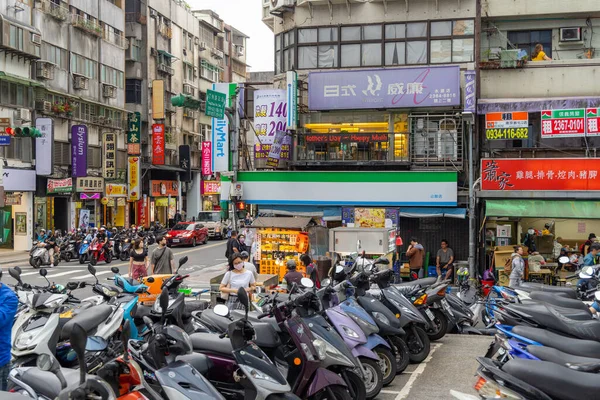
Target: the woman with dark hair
(311, 270)
(138, 260)
(235, 278)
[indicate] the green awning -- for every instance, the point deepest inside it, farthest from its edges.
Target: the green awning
(166, 54)
(542, 209)
(19, 79)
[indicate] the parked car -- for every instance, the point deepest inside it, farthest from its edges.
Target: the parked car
(191, 233)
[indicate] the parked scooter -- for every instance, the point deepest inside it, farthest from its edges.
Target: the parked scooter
(39, 256)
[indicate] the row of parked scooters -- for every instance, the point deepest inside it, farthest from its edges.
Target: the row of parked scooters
(346, 340)
(547, 344)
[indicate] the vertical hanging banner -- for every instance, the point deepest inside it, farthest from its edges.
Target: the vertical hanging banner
(44, 147)
(158, 144)
(133, 178)
(292, 99)
(109, 163)
(275, 151)
(470, 100)
(134, 123)
(220, 131)
(79, 144)
(270, 116)
(158, 99)
(185, 163)
(207, 158)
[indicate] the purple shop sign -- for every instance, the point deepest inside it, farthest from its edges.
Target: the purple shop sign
(384, 88)
(79, 142)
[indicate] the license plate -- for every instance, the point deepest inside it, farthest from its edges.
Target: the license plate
(447, 307)
(429, 314)
(175, 240)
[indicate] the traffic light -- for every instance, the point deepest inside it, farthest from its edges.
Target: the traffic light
(185, 101)
(240, 205)
(26, 131)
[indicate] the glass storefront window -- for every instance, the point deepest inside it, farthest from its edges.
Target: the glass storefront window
(307, 35)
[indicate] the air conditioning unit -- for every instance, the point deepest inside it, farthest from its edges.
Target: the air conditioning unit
(153, 52)
(24, 114)
(81, 82)
(278, 7)
(203, 46)
(43, 106)
(217, 54)
(44, 70)
(152, 13)
(188, 89)
(35, 38)
(109, 90)
(184, 52)
(196, 41)
(570, 34)
(240, 50)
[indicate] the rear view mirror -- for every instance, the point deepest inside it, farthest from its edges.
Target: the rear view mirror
(150, 279)
(72, 285)
(243, 298)
(307, 283)
(91, 269)
(16, 275)
(114, 270)
(18, 270)
(326, 282)
(96, 343)
(563, 260)
(221, 310)
(148, 322)
(43, 272)
(164, 300)
(183, 260)
(382, 260)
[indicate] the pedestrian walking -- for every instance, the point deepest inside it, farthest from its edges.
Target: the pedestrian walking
(237, 277)
(248, 265)
(138, 260)
(233, 245)
(415, 254)
(8, 310)
(162, 261)
(518, 268)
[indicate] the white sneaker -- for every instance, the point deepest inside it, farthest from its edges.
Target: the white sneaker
(51, 265)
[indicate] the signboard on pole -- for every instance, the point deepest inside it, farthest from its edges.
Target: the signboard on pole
(563, 123)
(44, 147)
(133, 178)
(220, 132)
(109, 163)
(215, 104)
(507, 125)
(206, 158)
(292, 99)
(133, 133)
(158, 144)
(470, 100)
(185, 163)
(79, 147)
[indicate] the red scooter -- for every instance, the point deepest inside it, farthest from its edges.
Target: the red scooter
(97, 253)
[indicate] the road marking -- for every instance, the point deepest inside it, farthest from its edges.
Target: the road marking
(415, 374)
(389, 391)
(90, 275)
(62, 274)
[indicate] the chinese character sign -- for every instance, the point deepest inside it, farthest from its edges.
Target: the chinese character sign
(275, 151)
(185, 163)
(133, 178)
(158, 144)
(540, 174)
(592, 118)
(470, 101)
(206, 158)
(215, 104)
(507, 125)
(388, 88)
(110, 156)
(220, 132)
(270, 117)
(79, 142)
(44, 164)
(133, 133)
(563, 123)
(211, 187)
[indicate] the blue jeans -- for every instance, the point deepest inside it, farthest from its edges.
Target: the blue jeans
(4, 371)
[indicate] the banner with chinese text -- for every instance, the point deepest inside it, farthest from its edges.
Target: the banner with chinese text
(270, 117)
(206, 158)
(158, 144)
(563, 123)
(134, 178)
(109, 162)
(507, 125)
(133, 133)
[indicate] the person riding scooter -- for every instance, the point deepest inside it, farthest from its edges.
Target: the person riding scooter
(103, 238)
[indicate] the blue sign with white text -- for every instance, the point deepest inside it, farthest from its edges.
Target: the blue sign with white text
(4, 140)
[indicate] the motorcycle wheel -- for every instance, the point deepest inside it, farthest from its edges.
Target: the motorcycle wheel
(81, 258)
(402, 354)
(67, 257)
(123, 256)
(33, 262)
(356, 386)
(333, 392)
(108, 258)
(441, 325)
(387, 364)
(93, 260)
(373, 381)
(417, 352)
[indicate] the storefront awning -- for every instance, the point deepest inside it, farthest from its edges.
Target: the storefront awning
(281, 222)
(536, 104)
(327, 213)
(163, 167)
(424, 212)
(19, 79)
(542, 209)
(166, 54)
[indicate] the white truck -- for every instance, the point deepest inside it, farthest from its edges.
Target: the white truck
(217, 228)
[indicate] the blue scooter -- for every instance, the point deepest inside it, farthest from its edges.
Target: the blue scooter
(129, 303)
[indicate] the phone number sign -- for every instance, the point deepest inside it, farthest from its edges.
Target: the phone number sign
(507, 125)
(563, 123)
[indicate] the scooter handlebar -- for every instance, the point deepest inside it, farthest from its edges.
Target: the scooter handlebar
(263, 315)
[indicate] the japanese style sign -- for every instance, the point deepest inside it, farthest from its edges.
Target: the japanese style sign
(563, 123)
(59, 186)
(90, 184)
(79, 144)
(211, 187)
(387, 88)
(215, 104)
(163, 188)
(270, 117)
(540, 174)
(206, 158)
(134, 178)
(346, 137)
(158, 144)
(133, 133)
(109, 162)
(116, 190)
(507, 125)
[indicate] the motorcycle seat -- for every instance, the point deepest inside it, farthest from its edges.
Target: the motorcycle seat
(194, 305)
(253, 317)
(211, 343)
(577, 347)
(46, 383)
(142, 311)
(555, 380)
(534, 308)
(89, 320)
(560, 301)
(540, 287)
(555, 356)
(424, 282)
(408, 289)
(200, 362)
(217, 322)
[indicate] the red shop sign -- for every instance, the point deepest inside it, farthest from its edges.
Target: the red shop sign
(540, 174)
(206, 158)
(158, 144)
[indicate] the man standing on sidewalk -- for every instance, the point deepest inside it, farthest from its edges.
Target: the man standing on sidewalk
(8, 309)
(162, 260)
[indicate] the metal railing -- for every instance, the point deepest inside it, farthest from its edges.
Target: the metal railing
(55, 10)
(165, 31)
(89, 26)
(117, 39)
(135, 17)
(437, 141)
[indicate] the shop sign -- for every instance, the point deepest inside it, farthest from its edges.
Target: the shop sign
(18, 180)
(79, 145)
(215, 104)
(133, 178)
(116, 190)
(220, 132)
(211, 187)
(592, 116)
(90, 184)
(563, 123)
(121, 202)
(89, 196)
(370, 217)
(270, 117)
(470, 85)
(158, 99)
(44, 147)
(110, 155)
(104, 201)
(567, 174)
(164, 188)
(237, 189)
(158, 144)
(185, 163)
(133, 133)
(292, 99)
(206, 158)
(12, 199)
(275, 150)
(142, 212)
(346, 137)
(507, 125)
(385, 88)
(59, 186)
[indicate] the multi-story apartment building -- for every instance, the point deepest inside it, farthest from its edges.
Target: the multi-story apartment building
(539, 135)
(380, 132)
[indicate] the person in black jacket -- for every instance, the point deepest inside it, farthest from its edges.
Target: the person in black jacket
(233, 245)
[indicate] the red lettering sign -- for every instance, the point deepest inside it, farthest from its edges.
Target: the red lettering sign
(347, 137)
(206, 158)
(158, 144)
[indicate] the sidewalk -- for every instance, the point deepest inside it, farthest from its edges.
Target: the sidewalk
(9, 256)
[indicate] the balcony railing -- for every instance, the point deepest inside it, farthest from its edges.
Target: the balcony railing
(86, 25)
(117, 39)
(135, 17)
(165, 31)
(56, 11)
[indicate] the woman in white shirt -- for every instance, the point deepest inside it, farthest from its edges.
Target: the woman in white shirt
(235, 278)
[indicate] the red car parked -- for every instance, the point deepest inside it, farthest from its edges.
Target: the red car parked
(191, 233)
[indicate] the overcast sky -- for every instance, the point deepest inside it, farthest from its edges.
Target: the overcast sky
(246, 16)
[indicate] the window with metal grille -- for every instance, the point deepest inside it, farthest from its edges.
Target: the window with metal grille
(436, 140)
